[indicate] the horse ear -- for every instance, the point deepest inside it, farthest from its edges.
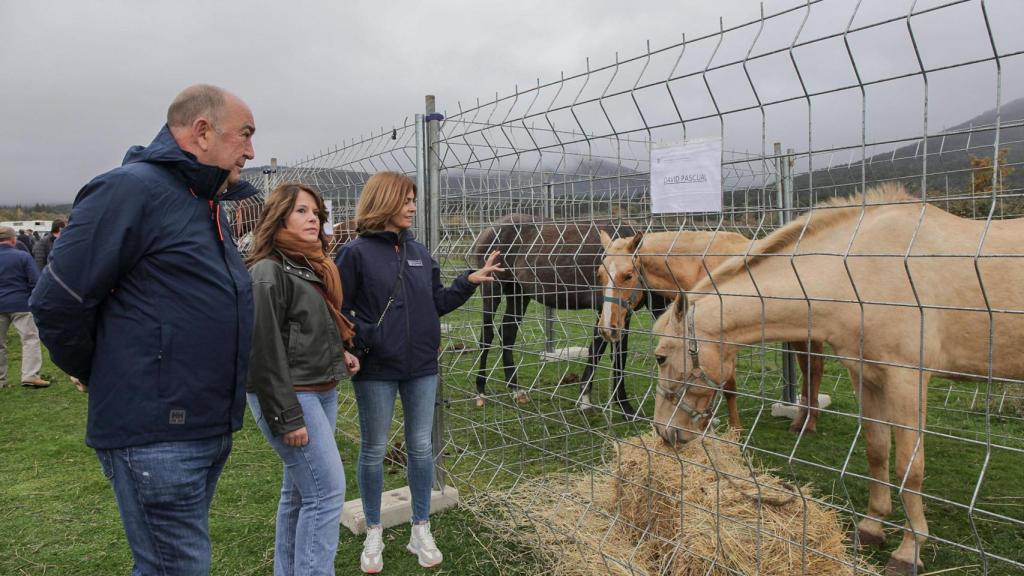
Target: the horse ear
(635, 242)
(606, 240)
(679, 306)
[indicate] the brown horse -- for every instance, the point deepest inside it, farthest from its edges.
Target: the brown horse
(552, 263)
(667, 262)
(900, 289)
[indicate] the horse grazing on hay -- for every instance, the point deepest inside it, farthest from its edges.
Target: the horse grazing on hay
(554, 264)
(667, 262)
(900, 289)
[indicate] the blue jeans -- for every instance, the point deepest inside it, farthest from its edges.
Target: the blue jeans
(164, 491)
(312, 489)
(376, 400)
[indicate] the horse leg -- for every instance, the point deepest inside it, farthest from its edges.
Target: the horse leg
(515, 306)
(490, 304)
(597, 346)
(910, 472)
(729, 389)
(811, 367)
(619, 354)
(877, 439)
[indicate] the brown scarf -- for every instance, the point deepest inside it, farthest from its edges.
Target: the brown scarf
(300, 250)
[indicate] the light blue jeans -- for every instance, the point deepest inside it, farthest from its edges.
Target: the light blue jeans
(312, 489)
(376, 401)
(163, 492)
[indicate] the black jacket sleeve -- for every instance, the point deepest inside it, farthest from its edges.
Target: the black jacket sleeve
(107, 237)
(350, 269)
(448, 299)
(269, 376)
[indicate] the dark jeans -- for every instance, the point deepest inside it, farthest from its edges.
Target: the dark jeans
(164, 491)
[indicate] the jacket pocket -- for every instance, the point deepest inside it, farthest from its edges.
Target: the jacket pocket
(294, 336)
(164, 357)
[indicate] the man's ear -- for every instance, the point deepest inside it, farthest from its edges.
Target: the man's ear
(202, 130)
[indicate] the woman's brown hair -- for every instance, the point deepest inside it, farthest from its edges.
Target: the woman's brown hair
(276, 209)
(382, 197)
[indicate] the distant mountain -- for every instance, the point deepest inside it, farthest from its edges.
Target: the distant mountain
(948, 162)
(948, 159)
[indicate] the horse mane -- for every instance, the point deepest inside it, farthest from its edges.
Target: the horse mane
(824, 217)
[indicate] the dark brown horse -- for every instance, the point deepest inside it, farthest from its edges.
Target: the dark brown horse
(555, 264)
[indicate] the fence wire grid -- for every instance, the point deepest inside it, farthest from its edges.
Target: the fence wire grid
(906, 301)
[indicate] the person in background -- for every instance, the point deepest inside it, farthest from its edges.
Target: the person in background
(18, 277)
(26, 238)
(22, 246)
(298, 357)
(147, 301)
(395, 298)
(41, 250)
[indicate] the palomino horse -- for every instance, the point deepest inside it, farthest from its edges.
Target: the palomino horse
(667, 262)
(901, 291)
(554, 264)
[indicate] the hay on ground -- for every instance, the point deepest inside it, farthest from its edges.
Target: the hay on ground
(654, 510)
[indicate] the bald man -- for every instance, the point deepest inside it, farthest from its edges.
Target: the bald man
(146, 301)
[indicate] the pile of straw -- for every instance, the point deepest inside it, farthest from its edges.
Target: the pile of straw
(655, 510)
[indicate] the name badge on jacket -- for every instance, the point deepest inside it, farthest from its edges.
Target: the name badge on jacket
(418, 263)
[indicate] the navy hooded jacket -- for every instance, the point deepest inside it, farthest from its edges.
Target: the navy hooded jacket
(406, 344)
(18, 275)
(147, 300)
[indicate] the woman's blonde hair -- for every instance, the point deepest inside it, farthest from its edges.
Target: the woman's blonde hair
(382, 197)
(276, 209)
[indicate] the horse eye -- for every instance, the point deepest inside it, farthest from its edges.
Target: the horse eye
(660, 358)
(628, 277)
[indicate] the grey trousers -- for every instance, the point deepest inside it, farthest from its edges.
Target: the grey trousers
(31, 352)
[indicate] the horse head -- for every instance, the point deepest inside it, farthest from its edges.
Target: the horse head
(619, 279)
(684, 401)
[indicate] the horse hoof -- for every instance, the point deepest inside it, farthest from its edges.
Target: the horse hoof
(480, 401)
(587, 408)
(896, 567)
(869, 539)
(521, 397)
(799, 429)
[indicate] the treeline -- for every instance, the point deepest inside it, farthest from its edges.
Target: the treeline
(35, 212)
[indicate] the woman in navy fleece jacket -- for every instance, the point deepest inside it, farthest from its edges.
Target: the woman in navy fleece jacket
(394, 297)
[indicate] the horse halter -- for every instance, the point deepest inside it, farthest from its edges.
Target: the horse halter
(629, 304)
(696, 374)
(634, 296)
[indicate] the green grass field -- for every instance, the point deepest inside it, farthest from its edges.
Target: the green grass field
(59, 515)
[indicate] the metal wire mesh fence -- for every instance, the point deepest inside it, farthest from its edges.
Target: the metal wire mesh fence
(901, 306)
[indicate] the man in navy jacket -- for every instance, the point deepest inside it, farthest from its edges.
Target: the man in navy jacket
(146, 300)
(18, 275)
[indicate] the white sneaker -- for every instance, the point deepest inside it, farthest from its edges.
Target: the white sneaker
(371, 561)
(421, 543)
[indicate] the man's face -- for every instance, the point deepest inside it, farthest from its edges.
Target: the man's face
(229, 142)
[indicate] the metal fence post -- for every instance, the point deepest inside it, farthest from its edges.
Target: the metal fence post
(549, 312)
(785, 189)
(432, 235)
(421, 176)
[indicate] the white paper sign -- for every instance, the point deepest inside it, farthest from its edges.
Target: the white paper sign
(687, 177)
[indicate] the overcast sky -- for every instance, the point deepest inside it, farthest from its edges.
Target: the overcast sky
(84, 80)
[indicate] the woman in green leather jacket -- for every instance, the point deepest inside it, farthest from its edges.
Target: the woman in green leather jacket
(298, 356)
